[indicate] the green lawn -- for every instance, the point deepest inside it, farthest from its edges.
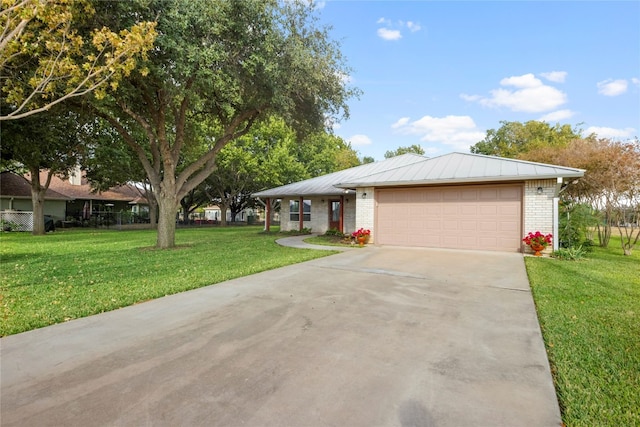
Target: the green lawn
(589, 311)
(75, 273)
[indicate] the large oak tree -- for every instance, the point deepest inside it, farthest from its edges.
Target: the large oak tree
(227, 63)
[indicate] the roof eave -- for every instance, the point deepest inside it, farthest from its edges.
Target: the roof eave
(458, 180)
(337, 192)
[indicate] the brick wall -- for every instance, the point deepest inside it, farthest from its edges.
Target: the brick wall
(365, 210)
(538, 208)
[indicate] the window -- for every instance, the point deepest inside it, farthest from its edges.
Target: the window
(294, 210)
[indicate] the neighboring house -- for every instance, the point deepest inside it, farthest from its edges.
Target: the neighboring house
(214, 213)
(86, 203)
(16, 205)
(457, 201)
(70, 198)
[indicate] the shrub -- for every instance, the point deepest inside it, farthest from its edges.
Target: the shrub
(570, 254)
(334, 232)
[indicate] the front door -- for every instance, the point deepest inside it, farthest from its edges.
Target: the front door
(334, 215)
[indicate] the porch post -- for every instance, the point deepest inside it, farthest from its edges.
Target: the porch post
(341, 226)
(267, 213)
(301, 212)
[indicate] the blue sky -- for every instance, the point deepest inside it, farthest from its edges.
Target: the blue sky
(440, 74)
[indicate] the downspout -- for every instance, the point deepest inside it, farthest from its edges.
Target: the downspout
(556, 214)
(556, 229)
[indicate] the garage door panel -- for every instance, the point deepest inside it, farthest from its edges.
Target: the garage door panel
(469, 209)
(433, 224)
(465, 217)
(468, 225)
(487, 227)
(451, 196)
(509, 226)
(430, 196)
(469, 195)
(484, 210)
(450, 209)
(510, 193)
(433, 209)
(508, 210)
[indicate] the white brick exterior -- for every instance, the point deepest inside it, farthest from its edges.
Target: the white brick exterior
(365, 210)
(538, 208)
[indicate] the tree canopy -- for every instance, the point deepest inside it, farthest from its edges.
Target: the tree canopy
(50, 51)
(218, 68)
(415, 149)
(515, 138)
(269, 156)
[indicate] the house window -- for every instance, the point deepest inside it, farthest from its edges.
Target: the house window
(294, 210)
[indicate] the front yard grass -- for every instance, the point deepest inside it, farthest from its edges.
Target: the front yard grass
(76, 273)
(589, 311)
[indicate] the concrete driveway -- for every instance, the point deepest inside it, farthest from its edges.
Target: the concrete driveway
(372, 337)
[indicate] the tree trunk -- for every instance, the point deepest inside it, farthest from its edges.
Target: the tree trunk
(153, 213)
(223, 215)
(604, 233)
(168, 207)
(37, 200)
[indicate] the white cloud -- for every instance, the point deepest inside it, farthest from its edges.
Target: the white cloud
(635, 81)
(459, 132)
(555, 76)
(470, 98)
(530, 95)
(359, 140)
(523, 81)
(612, 87)
(388, 34)
(557, 116)
(605, 132)
(413, 26)
(401, 122)
(392, 31)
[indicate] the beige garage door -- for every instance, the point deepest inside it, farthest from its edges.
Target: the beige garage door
(486, 217)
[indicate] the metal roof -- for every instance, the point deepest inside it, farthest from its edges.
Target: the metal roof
(412, 169)
(462, 168)
(325, 185)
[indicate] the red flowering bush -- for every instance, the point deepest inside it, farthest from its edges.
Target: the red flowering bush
(537, 239)
(361, 233)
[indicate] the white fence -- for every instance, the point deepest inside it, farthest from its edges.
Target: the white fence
(16, 221)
